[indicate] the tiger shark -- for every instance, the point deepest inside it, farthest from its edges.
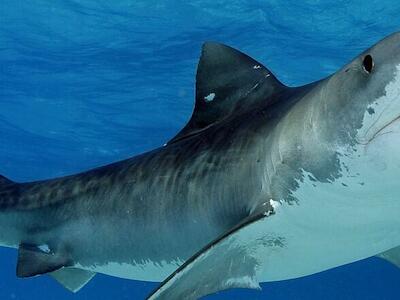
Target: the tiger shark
(264, 183)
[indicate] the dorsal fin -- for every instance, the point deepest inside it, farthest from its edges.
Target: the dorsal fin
(5, 181)
(227, 82)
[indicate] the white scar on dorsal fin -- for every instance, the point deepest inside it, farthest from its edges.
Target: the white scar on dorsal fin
(210, 97)
(45, 248)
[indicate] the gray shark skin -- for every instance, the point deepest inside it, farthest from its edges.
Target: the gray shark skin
(264, 183)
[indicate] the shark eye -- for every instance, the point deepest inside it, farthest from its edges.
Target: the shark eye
(368, 64)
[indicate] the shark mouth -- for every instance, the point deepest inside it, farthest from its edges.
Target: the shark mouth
(379, 132)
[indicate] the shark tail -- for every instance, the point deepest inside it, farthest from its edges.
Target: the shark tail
(9, 220)
(8, 193)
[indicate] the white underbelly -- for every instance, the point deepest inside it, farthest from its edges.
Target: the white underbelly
(315, 237)
(334, 223)
(311, 236)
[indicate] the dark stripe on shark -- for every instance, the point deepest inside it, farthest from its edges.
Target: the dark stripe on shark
(164, 165)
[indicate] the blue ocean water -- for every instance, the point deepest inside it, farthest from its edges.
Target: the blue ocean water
(84, 83)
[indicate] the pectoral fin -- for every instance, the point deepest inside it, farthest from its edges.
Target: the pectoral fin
(231, 261)
(392, 256)
(72, 279)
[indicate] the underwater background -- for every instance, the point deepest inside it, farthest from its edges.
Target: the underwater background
(84, 83)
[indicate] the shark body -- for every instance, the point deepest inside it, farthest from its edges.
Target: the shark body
(264, 183)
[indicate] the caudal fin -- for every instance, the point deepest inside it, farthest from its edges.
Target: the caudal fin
(7, 192)
(4, 181)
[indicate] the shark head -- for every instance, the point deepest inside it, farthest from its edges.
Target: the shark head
(346, 129)
(360, 106)
(362, 99)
